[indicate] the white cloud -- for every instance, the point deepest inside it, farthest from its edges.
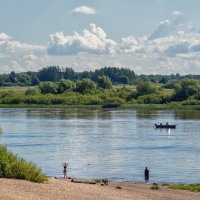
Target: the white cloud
(93, 40)
(84, 10)
(177, 13)
(128, 44)
(4, 37)
(170, 26)
(19, 56)
(162, 30)
(171, 48)
(180, 48)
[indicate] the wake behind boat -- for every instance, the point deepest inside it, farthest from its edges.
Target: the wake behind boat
(165, 126)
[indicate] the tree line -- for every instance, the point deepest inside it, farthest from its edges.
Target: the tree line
(56, 73)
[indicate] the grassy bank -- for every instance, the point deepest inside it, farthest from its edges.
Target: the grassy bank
(190, 187)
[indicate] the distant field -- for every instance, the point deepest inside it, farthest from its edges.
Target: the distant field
(119, 86)
(21, 90)
(17, 89)
(133, 87)
(168, 91)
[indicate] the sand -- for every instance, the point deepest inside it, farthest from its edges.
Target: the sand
(58, 189)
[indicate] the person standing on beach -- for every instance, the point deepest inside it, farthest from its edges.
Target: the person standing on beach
(146, 174)
(65, 169)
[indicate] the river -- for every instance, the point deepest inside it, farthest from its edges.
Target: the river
(113, 144)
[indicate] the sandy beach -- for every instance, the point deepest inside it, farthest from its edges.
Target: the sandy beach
(58, 189)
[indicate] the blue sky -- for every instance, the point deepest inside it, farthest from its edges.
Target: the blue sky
(148, 36)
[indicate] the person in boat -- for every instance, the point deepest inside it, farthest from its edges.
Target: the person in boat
(146, 175)
(65, 169)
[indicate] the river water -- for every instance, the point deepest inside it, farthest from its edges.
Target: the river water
(113, 144)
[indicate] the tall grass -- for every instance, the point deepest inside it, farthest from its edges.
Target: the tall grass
(12, 166)
(192, 187)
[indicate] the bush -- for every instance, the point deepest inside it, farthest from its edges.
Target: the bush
(97, 180)
(155, 187)
(105, 181)
(104, 82)
(12, 166)
(144, 88)
(48, 87)
(191, 102)
(85, 86)
(66, 85)
(185, 89)
(170, 85)
(153, 98)
(32, 91)
(125, 93)
(14, 99)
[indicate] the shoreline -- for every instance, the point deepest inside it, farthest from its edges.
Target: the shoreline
(171, 106)
(150, 182)
(59, 189)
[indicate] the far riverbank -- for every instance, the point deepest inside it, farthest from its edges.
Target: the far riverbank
(170, 106)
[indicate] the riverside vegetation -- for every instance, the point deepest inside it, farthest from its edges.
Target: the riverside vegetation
(12, 166)
(86, 92)
(51, 86)
(191, 187)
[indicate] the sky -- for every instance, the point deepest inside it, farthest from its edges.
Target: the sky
(147, 36)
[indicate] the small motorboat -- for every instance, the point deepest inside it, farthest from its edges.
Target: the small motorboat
(165, 126)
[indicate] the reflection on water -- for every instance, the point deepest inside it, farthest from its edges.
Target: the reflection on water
(146, 114)
(169, 131)
(187, 114)
(72, 113)
(113, 144)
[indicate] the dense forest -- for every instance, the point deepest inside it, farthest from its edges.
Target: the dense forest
(55, 74)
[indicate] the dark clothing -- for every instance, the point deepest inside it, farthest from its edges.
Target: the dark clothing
(65, 169)
(146, 174)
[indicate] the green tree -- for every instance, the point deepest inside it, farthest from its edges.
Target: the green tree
(85, 85)
(35, 80)
(144, 88)
(12, 77)
(1, 80)
(66, 85)
(104, 82)
(69, 73)
(117, 75)
(24, 79)
(52, 73)
(48, 87)
(123, 79)
(186, 88)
